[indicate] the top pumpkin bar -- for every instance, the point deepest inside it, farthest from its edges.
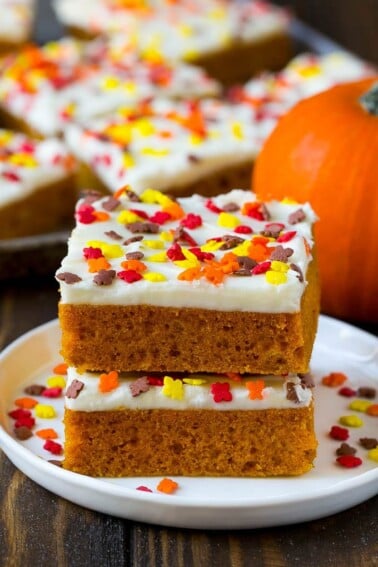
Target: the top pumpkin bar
(231, 40)
(222, 285)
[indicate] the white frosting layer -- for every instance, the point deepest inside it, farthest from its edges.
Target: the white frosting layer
(235, 293)
(28, 165)
(77, 83)
(176, 30)
(16, 17)
(274, 395)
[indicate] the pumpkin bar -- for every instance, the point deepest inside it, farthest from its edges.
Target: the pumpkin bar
(15, 23)
(37, 189)
(231, 40)
(194, 285)
(42, 89)
(188, 425)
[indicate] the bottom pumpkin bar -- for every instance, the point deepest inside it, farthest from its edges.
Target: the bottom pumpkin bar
(197, 425)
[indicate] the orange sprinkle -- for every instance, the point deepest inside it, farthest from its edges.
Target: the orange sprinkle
(167, 485)
(97, 264)
(258, 252)
(60, 369)
(26, 403)
(334, 379)
(174, 210)
(307, 247)
(213, 274)
(234, 376)
(101, 215)
(372, 410)
(165, 134)
(47, 434)
(190, 274)
(121, 191)
(108, 382)
(135, 265)
(248, 207)
(255, 389)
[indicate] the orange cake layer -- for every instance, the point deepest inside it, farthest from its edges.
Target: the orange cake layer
(160, 442)
(152, 338)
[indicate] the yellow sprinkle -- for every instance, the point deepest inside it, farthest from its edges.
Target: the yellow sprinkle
(237, 131)
(166, 236)
(195, 139)
(189, 255)
(129, 87)
(144, 127)
(159, 257)
(187, 263)
(126, 217)
(56, 382)
(110, 82)
(191, 54)
(275, 278)
(152, 196)
(373, 454)
(24, 160)
(308, 72)
(185, 30)
(194, 381)
(289, 201)
(154, 152)
(359, 405)
(173, 388)
(5, 137)
(277, 266)
(351, 421)
(227, 220)
(44, 411)
(108, 250)
(154, 277)
(211, 246)
(242, 249)
(153, 244)
(120, 133)
(128, 160)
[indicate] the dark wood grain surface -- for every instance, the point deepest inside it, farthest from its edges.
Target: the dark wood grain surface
(38, 528)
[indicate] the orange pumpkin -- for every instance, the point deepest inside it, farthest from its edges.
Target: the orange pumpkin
(325, 151)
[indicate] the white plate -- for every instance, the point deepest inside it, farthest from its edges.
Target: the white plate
(209, 503)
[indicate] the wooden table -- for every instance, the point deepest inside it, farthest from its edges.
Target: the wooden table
(38, 528)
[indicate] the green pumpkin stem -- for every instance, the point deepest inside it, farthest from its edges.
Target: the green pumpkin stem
(369, 100)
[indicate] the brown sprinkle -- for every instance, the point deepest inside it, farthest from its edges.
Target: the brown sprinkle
(68, 277)
(74, 389)
(22, 433)
(35, 390)
(345, 449)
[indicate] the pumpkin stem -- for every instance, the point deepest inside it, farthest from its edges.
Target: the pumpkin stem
(369, 100)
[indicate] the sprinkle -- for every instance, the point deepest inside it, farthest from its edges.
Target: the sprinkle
(97, 264)
(28, 422)
(221, 392)
(129, 276)
(52, 392)
(47, 433)
(349, 461)
(347, 392)
(281, 254)
(167, 485)
(373, 455)
(53, 447)
(368, 442)
(110, 251)
(146, 227)
(243, 229)
(90, 253)
(135, 265)
(153, 244)
(173, 388)
(297, 269)
(143, 488)
(68, 277)
(286, 236)
(190, 274)
(373, 410)
(191, 221)
(175, 253)
(26, 403)
(275, 278)
(255, 389)
(154, 277)
(174, 211)
(260, 268)
(19, 413)
(23, 433)
(212, 207)
(56, 382)
(258, 251)
(227, 220)
(159, 257)
(104, 277)
(139, 386)
(366, 392)
(161, 217)
(45, 411)
(108, 382)
(74, 389)
(359, 405)
(60, 368)
(194, 381)
(339, 433)
(345, 449)
(351, 421)
(334, 379)
(110, 204)
(34, 390)
(297, 216)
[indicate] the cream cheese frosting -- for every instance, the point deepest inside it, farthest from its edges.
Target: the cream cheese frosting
(50, 86)
(230, 253)
(27, 165)
(194, 391)
(16, 20)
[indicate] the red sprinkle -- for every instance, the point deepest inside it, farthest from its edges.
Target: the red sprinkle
(53, 447)
(339, 433)
(191, 221)
(243, 229)
(19, 413)
(141, 214)
(212, 207)
(90, 253)
(221, 392)
(11, 176)
(154, 381)
(28, 422)
(52, 392)
(347, 392)
(286, 236)
(261, 268)
(144, 489)
(175, 253)
(161, 217)
(349, 461)
(85, 214)
(202, 256)
(129, 276)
